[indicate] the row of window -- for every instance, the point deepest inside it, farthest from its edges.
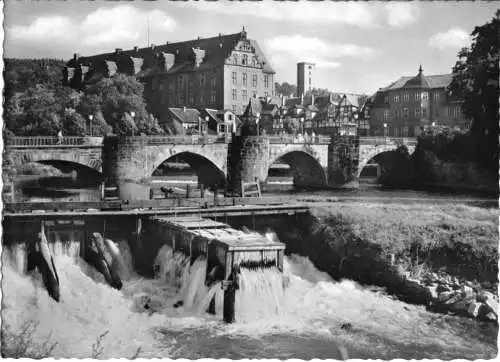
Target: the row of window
(234, 77)
(244, 94)
(417, 96)
(182, 79)
(455, 112)
(191, 98)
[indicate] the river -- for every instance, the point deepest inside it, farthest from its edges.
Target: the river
(304, 314)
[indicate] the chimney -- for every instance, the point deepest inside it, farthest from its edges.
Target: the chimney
(118, 50)
(76, 56)
(152, 46)
(136, 49)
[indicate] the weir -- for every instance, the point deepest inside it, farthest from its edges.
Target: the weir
(225, 249)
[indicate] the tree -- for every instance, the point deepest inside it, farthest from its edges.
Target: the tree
(125, 126)
(115, 97)
(74, 124)
(291, 125)
(285, 89)
(318, 92)
(475, 80)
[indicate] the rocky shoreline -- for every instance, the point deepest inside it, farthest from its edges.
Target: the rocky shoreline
(446, 294)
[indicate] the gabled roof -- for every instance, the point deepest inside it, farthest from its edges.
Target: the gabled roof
(216, 50)
(428, 81)
(185, 115)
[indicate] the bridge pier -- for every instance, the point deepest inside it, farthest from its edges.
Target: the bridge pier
(343, 162)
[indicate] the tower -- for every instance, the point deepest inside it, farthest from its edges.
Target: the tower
(304, 77)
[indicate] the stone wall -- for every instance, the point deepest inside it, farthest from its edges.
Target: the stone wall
(343, 161)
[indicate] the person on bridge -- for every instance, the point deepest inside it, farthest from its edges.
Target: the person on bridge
(59, 137)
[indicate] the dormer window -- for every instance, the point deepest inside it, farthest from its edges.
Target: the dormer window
(244, 61)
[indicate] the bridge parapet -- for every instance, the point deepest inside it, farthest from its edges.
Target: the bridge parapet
(176, 140)
(50, 141)
(303, 140)
(390, 141)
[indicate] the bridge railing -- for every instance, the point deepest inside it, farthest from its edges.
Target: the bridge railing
(387, 141)
(48, 141)
(183, 140)
(297, 139)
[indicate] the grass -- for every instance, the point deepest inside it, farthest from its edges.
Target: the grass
(459, 238)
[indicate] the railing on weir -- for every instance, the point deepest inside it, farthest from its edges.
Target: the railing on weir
(52, 141)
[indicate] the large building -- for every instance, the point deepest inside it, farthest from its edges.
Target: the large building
(412, 104)
(304, 78)
(222, 72)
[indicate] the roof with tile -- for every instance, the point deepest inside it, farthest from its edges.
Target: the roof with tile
(186, 115)
(217, 50)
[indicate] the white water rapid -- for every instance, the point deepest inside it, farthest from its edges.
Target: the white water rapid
(301, 313)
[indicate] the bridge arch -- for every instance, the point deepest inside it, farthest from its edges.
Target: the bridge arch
(305, 165)
(370, 152)
(207, 171)
(92, 160)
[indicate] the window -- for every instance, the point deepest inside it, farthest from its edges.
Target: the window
(386, 114)
(405, 131)
(244, 95)
(190, 99)
(424, 112)
(213, 82)
(436, 112)
(386, 99)
(417, 96)
(396, 98)
(406, 112)
(406, 97)
(244, 61)
(244, 78)
(266, 81)
(202, 80)
(417, 112)
(436, 96)
(456, 112)
(425, 96)
(254, 80)
(202, 99)
(234, 77)
(180, 81)
(233, 92)
(310, 81)
(396, 131)
(180, 98)
(213, 97)
(416, 130)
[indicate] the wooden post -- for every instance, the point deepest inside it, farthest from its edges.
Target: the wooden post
(216, 191)
(151, 194)
(188, 190)
(102, 190)
(280, 260)
(229, 292)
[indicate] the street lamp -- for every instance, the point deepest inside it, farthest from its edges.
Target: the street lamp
(257, 119)
(302, 124)
(133, 118)
(91, 117)
(385, 129)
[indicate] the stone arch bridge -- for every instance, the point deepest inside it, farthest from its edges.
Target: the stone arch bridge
(129, 162)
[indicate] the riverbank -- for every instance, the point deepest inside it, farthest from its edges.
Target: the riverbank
(443, 256)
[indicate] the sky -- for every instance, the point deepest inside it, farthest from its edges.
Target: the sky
(357, 47)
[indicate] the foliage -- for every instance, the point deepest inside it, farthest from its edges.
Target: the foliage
(318, 92)
(125, 126)
(475, 80)
(22, 345)
(73, 124)
(291, 125)
(173, 127)
(285, 88)
(21, 74)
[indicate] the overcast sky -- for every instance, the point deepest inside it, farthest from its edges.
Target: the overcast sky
(358, 47)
